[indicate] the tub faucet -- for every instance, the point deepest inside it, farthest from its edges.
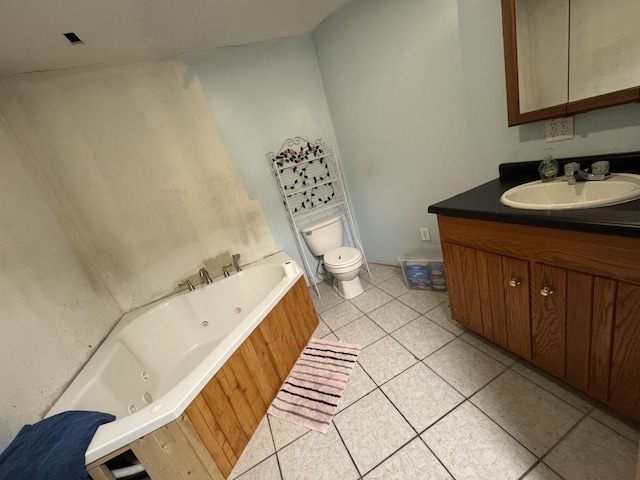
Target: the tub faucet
(225, 272)
(205, 275)
(236, 258)
(187, 282)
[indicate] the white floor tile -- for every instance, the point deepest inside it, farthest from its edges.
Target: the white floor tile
(340, 315)
(592, 451)
(422, 337)
(490, 348)
(472, 447)
(371, 299)
(259, 447)
(533, 416)
(423, 300)
(552, 385)
(442, 316)
(314, 456)
(421, 396)
(285, 432)
(542, 472)
(618, 426)
(385, 359)
(362, 331)
(321, 330)
(267, 470)
(394, 286)
(358, 385)
(328, 297)
(379, 273)
(393, 315)
(372, 429)
(413, 462)
(365, 285)
(464, 367)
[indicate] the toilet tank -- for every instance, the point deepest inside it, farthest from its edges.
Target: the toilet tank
(323, 235)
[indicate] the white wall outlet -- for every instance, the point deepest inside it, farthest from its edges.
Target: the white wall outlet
(424, 233)
(558, 129)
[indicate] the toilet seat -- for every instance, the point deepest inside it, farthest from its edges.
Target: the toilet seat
(342, 257)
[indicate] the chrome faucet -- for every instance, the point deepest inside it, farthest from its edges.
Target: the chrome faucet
(205, 275)
(225, 272)
(236, 261)
(189, 284)
(599, 172)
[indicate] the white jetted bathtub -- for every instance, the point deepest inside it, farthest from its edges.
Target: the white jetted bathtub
(159, 357)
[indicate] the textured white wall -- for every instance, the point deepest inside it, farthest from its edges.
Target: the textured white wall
(115, 184)
(136, 164)
(417, 97)
(54, 309)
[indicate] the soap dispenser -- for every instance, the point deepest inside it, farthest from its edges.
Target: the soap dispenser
(548, 168)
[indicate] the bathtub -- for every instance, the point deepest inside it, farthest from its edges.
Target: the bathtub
(159, 357)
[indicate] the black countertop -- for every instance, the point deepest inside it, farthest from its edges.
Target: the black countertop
(483, 202)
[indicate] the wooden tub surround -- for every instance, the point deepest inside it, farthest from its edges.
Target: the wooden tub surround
(206, 442)
(567, 301)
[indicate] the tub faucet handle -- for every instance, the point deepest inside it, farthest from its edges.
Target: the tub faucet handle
(225, 272)
(188, 283)
(236, 261)
(205, 275)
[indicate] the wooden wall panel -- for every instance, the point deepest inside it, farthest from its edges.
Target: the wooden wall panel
(101, 472)
(227, 411)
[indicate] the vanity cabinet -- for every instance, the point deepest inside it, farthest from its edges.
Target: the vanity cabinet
(569, 302)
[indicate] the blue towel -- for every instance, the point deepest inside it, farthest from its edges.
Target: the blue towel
(52, 449)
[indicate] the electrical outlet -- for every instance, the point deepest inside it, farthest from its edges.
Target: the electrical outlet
(424, 233)
(558, 129)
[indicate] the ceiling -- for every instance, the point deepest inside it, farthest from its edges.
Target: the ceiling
(31, 31)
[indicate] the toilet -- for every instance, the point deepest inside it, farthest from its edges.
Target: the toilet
(324, 239)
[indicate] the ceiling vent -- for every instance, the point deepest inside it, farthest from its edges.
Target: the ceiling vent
(73, 38)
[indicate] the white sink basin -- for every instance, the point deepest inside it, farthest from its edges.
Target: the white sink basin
(559, 195)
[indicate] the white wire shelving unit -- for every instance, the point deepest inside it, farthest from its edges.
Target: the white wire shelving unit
(309, 177)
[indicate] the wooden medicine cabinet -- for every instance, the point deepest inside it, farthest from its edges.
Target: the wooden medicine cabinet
(564, 57)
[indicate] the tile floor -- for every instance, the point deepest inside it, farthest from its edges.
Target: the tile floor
(430, 400)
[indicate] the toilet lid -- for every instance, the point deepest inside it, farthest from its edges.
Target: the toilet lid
(342, 256)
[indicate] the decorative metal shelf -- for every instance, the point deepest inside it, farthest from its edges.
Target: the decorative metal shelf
(309, 179)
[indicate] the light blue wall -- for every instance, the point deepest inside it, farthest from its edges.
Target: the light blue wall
(260, 95)
(417, 97)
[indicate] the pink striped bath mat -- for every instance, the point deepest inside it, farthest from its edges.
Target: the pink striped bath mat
(311, 393)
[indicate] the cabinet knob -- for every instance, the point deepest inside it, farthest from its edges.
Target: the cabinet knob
(546, 291)
(514, 283)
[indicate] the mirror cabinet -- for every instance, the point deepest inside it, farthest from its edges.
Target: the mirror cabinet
(564, 57)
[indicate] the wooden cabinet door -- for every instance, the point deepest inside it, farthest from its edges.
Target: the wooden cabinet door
(624, 393)
(504, 289)
(549, 318)
(572, 327)
(490, 294)
(461, 266)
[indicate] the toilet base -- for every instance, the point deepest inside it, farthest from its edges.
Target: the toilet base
(348, 289)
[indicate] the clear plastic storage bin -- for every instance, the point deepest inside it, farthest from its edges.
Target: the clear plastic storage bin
(424, 273)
